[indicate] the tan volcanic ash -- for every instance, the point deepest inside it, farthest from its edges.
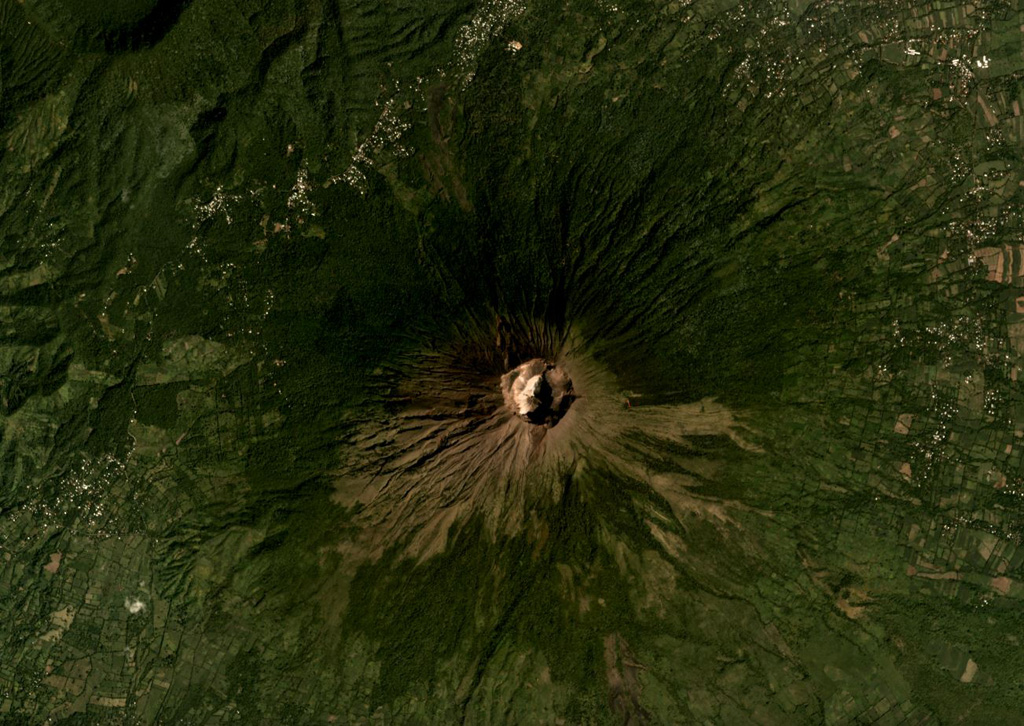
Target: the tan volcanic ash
(456, 448)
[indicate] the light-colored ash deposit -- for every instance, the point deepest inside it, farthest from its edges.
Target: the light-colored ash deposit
(538, 392)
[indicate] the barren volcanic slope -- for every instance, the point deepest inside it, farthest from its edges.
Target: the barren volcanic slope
(511, 362)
